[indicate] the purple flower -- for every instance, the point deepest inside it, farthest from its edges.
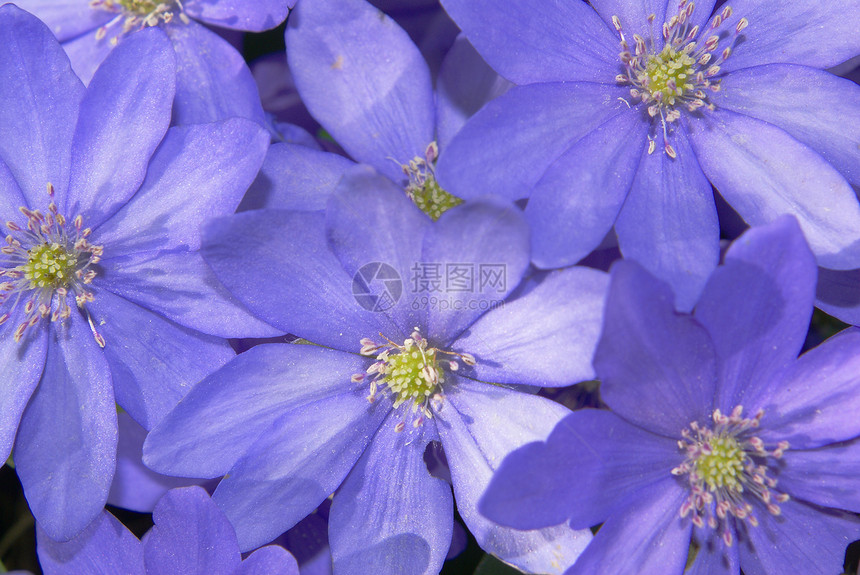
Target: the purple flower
(626, 113)
(719, 434)
(393, 370)
(384, 112)
(212, 81)
(105, 298)
(190, 536)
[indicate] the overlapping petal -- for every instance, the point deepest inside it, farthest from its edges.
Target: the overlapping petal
(247, 15)
(190, 535)
(669, 221)
(135, 486)
(539, 40)
(380, 110)
(297, 462)
(269, 560)
(479, 424)
(180, 286)
(105, 547)
(370, 221)
(153, 361)
(481, 239)
(231, 409)
(812, 403)
(465, 83)
(285, 274)
(838, 294)
(295, 177)
(198, 172)
(657, 368)
(814, 107)
(21, 364)
(606, 459)
(123, 118)
(40, 96)
(213, 82)
(763, 173)
(819, 34)
(546, 338)
(756, 308)
(86, 53)
(65, 452)
(575, 203)
(648, 537)
(391, 516)
(507, 146)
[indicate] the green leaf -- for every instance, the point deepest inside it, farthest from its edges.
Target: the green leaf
(322, 134)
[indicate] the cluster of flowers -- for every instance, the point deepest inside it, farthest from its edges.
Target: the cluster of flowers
(407, 289)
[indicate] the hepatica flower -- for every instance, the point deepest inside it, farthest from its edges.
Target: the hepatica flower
(190, 536)
(104, 297)
(401, 361)
(212, 83)
(722, 445)
(384, 112)
(626, 113)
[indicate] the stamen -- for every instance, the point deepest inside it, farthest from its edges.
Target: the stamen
(42, 263)
(422, 187)
(680, 75)
(136, 15)
(411, 372)
(721, 469)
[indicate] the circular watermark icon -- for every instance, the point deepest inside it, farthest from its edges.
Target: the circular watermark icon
(377, 286)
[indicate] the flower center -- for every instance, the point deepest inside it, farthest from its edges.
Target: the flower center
(683, 72)
(412, 372)
(722, 465)
(50, 265)
(423, 189)
(667, 73)
(41, 262)
(137, 14)
(726, 466)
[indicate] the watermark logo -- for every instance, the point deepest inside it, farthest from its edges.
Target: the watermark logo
(444, 286)
(377, 286)
(437, 277)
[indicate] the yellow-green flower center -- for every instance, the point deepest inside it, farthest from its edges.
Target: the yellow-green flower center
(136, 15)
(50, 265)
(722, 466)
(669, 74)
(432, 199)
(412, 374)
(44, 263)
(728, 469)
(141, 7)
(683, 73)
(411, 371)
(423, 189)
